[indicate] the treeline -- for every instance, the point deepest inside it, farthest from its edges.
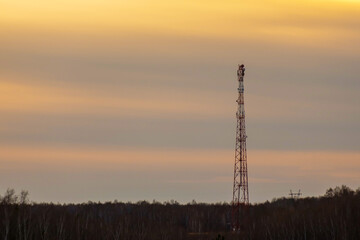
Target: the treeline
(336, 215)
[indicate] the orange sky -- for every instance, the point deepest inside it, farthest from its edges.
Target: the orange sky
(160, 168)
(148, 88)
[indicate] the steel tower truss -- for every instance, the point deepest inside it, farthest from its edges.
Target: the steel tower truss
(240, 188)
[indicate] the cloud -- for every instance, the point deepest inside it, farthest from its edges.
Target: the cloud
(90, 90)
(133, 102)
(295, 23)
(136, 173)
(119, 113)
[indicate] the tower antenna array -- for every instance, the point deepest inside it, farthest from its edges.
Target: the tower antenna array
(240, 187)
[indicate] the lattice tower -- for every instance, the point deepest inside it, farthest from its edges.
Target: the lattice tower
(240, 187)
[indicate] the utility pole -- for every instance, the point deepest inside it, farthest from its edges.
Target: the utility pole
(240, 188)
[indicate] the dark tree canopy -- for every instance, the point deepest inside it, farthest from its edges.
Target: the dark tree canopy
(336, 215)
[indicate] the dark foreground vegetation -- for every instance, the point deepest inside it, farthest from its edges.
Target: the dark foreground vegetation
(336, 215)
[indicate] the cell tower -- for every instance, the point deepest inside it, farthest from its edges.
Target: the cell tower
(240, 188)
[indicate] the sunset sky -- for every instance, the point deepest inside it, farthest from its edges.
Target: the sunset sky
(135, 100)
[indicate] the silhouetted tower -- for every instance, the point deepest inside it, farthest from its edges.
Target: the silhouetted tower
(240, 188)
(295, 195)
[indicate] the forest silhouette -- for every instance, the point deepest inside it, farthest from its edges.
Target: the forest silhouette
(336, 215)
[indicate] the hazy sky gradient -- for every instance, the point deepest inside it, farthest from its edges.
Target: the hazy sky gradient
(133, 100)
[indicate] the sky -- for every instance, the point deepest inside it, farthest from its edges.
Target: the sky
(135, 100)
